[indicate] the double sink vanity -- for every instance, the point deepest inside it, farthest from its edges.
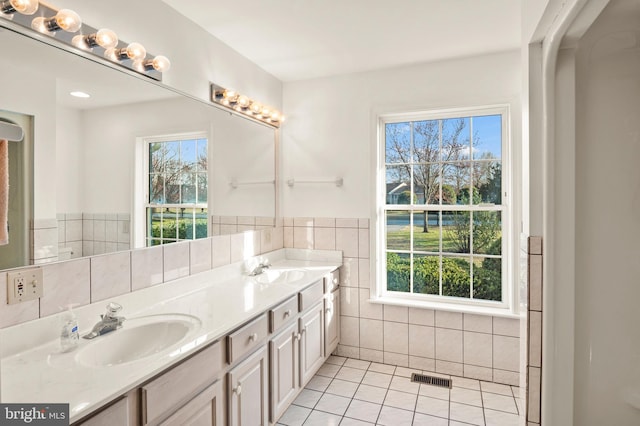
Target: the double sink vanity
(216, 348)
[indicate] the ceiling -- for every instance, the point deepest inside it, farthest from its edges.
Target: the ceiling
(303, 39)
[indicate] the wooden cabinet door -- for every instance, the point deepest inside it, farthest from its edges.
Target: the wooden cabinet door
(203, 410)
(311, 342)
(283, 363)
(248, 391)
(332, 321)
(115, 414)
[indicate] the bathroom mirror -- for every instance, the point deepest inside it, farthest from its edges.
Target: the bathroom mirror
(89, 154)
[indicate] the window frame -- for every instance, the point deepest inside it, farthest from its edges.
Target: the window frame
(379, 292)
(142, 183)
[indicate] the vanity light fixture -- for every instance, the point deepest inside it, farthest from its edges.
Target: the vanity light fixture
(65, 20)
(245, 105)
(67, 28)
(24, 7)
(104, 38)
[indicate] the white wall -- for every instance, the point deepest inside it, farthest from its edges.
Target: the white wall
(70, 167)
(331, 123)
(197, 57)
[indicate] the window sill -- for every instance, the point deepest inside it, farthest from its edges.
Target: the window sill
(444, 306)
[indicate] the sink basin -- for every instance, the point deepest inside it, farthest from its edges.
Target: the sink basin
(273, 276)
(137, 339)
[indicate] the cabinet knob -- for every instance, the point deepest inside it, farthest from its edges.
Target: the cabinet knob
(298, 336)
(303, 330)
(253, 337)
(287, 313)
(328, 311)
(238, 390)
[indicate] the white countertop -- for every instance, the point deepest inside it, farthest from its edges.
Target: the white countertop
(222, 299)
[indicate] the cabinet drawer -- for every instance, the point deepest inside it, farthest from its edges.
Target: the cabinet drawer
(116, 414)
(204, 409)
(332, 281)
(311, 295)
(246, 338)
(283, 313)
(172, 389)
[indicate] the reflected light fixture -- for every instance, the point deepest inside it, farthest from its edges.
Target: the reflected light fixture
(24, 7)
(245, 105)
(65, 20)
(104, 38)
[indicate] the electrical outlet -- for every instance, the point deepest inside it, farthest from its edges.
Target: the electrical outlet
(23, 285)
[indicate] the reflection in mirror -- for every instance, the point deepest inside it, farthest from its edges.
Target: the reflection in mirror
(89, 182)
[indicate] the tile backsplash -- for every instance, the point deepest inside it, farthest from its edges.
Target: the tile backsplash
(475, 346)
(91, 279)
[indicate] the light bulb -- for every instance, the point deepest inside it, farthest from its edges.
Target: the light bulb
(68, 20)
(24, 7)
(255, 107)
(230, 95)
(243, 101)
(65, 19)
(161, 63)
(266, 111)
(275, 115)
(134, 51)
(104, 38)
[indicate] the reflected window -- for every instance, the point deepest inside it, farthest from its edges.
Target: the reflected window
(177, 187)
(444, 213)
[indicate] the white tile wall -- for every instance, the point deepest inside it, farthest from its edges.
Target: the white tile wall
(400, 335)
(87, 280)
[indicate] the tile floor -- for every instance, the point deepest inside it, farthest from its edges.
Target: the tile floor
(351, 392)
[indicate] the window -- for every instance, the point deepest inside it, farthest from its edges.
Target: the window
(176, 186)
(443, 211)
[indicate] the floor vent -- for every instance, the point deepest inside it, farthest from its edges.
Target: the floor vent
(431, 380)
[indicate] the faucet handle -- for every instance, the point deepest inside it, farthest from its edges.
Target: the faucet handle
(113, 308)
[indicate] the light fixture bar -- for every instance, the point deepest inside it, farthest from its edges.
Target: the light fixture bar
(66, 27)
(242, 104)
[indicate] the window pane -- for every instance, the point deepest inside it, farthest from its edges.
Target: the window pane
(456, 232)
(398, 230)
(398, 143)
(487, 232)
(487, 137)
(487, 279)
(188, 188)
(426, 274)
(202, 187)
(202, 155)
(156, 157)
(456, 277)
(154, 222)
(398, 185)
(186, 225)
(188, 155)
(171, 157)
(426, 231)
(455, 186)
(156, 189)
(398, 271)
(426, 183)
(455, 139)
(426, 141)
(202, 221)
(488, 181)
(172, 189)
(169, 224)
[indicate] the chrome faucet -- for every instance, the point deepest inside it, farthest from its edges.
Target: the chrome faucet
(260, 268)
(108, 322)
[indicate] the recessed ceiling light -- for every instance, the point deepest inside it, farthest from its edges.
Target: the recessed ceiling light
(80, 94)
